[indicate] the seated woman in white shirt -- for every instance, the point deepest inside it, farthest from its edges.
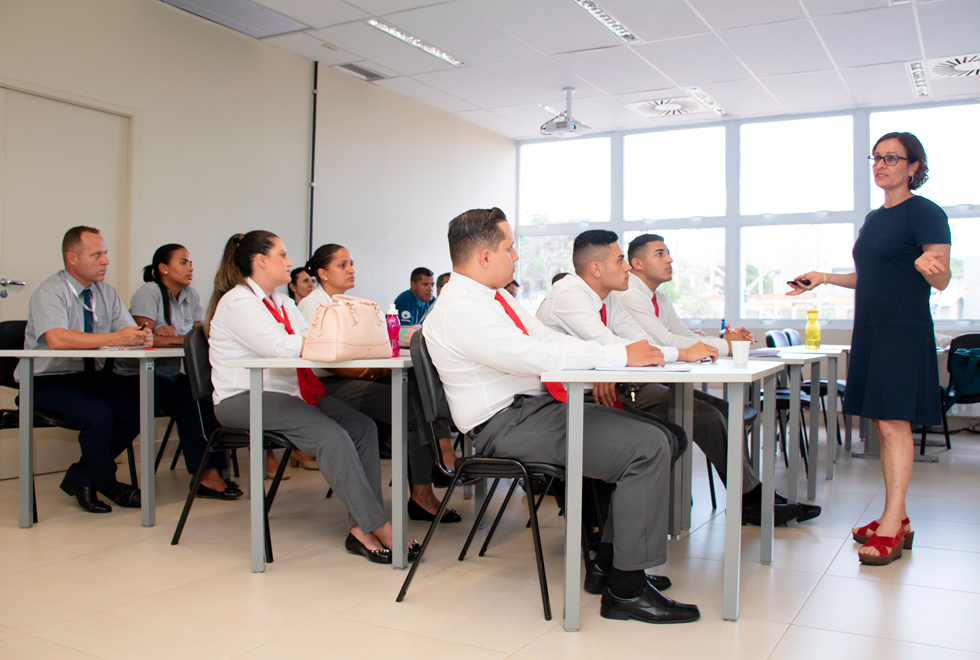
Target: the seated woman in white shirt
(248, 318)
(300, 284)
(366, 389)
(170, 307)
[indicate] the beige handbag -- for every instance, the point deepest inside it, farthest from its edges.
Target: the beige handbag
(348, 328)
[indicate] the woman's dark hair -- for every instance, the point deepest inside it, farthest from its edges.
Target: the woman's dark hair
(151, 273)
(236, 264)
(292, 280)
(321, 259)
(914, 152)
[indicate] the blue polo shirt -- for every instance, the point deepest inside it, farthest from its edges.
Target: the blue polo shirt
(410, 308)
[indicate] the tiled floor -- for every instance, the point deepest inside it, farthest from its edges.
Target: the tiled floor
(84, 586)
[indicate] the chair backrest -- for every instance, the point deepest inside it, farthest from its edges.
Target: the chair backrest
(776, 339)
(197, 363)
(11, 338)
(435, 406)
(793, 336)
(969, 340)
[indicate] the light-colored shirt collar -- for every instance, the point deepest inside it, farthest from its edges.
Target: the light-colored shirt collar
(637, 281)
(576, 281)
(276, 297)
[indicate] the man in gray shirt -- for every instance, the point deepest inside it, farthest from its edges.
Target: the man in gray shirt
(76, 309)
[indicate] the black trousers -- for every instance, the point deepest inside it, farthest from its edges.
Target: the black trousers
(105, 407)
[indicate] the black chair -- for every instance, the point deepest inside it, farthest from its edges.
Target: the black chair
(969, 340)
(794, 340)
(198, 367)
(779, 339)
(12, 338)
(436, 407)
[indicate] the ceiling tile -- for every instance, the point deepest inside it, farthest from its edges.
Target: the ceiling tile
(526, 115)
(640, 97)
(777, 48)
(316, 13)
(955, 87)
(606, 114)
(880, 83)
(308, 46)
(541, 78)
(950, 28)
(459, 30)
(381, 7)
(694, 60)
(744, 98)
(875, 36)
(423, 93)
(670, 18)
(498, 124)
(614, 70)
(810, 92)
(551, 26)
(725, 14)
(476, 86)
(823, 7)
(371, 44)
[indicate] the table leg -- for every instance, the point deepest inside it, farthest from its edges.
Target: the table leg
(793, 434)
(756, 440)
(733, 504)
(675, 514)
(687, 461)
(768, 472)
(147, 442)
(26, 437)
(814, 453)
(399, 467)
(573, 503)
(256, 468)
(831, 414)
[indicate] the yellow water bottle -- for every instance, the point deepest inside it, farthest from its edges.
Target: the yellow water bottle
(812, 331)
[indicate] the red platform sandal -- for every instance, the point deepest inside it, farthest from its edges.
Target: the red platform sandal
(864, 533)
(889, 549)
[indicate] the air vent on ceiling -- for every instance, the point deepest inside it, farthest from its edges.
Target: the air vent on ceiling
(359, 72)
(242, 16)
(672, 107)
(963, 66)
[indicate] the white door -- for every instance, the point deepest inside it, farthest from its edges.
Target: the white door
(61, 165)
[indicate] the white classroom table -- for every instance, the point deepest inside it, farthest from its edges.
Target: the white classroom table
(147, 414)
(722, 371)
(399, 432)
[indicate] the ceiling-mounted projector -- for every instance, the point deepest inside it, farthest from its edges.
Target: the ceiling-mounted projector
(564, 125)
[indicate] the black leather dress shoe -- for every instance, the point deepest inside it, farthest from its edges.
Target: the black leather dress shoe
(783, 513)
(416, 512)
(126, 496)
(807, 511)
(651, 606)
(377, 556)
(597, 578)
(210, 494)
(87, 498)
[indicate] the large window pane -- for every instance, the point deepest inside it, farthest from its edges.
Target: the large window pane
(565, 181)
(697, 289)
(800, 166)
(542, 257)
(675, 174)
(772, 255)
(951, 140)
(961, 299)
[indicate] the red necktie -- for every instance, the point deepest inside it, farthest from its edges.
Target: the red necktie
(555, 389)
(656, 307)
(602, 315)
(310, 387)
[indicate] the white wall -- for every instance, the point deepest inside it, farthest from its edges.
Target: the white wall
(391, 174)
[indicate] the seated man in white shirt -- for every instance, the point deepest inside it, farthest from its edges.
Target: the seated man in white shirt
(653, 312)
(490, 354)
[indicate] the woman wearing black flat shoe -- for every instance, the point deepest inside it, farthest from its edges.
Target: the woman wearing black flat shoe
(248, 318)
(369, 390)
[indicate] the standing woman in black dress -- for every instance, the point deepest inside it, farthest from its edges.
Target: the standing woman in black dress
(901, 253)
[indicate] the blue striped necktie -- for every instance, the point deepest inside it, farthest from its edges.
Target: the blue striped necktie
(89, 322)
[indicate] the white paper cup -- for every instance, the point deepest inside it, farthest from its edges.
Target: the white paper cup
(740, 353)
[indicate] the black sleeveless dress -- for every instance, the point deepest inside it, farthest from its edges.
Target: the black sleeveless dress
(893, 372)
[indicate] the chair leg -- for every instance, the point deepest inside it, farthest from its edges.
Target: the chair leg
(922, 441)
(329, 493)
(191, 494)
(34, 488)
(711, 483)
(163, 444)
(946, 430)
(482, 512)
(234, 462)
(173, 463)
(496, 521)
(540, 498)
(274, 487)
(539, 557)
(428, 536)
(131, 454)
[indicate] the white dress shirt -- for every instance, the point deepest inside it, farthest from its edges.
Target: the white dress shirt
(308, 305)
(483, 358)
(572, 307)
(243, 327)
(667, 329)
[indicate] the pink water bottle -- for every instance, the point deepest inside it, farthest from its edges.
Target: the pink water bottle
(394, 327)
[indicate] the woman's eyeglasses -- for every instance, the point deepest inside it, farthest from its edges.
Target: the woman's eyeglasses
(890, 159)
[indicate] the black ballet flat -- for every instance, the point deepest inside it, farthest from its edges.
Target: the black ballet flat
(355, 547)
(414, 550)
(417, 512)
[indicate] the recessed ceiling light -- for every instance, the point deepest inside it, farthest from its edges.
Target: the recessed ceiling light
(706, 101)
(415, 41)
(611, 23)
(920, 84)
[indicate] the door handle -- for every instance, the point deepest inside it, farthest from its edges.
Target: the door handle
(4, 282)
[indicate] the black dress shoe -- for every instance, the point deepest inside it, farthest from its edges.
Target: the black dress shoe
(377, 556)
(807, 511)
(211, 494)
(651, 606)
(783, 513)
(231, 485)
(87, 498)
(416, 512)
(596, 579)
(126, 496)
